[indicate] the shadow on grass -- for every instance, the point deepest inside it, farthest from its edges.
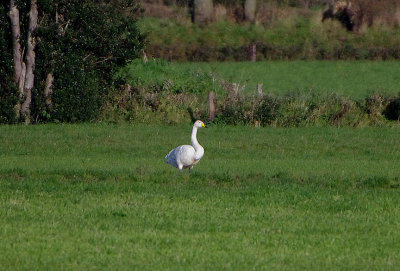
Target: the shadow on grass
(219, 179)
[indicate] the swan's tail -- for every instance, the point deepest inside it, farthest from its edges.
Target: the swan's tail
(170, 158)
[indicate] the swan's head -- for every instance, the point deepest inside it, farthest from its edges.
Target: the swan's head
(199, 124)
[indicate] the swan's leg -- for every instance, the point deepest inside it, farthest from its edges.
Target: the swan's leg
(190, 169)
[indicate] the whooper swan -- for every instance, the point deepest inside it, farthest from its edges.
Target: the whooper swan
(186, 156)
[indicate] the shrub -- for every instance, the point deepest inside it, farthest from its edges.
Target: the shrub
(267, 110)
(300, 109)
(392, 111)
(375, 106)
(77, 98)
(8, 91)
(136, 104)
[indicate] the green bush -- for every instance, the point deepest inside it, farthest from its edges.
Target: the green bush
(297, 109)
(78, 98)
(8, 90)
(136, 104)
(392, 111)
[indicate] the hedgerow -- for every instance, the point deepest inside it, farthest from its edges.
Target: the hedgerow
(157, 92)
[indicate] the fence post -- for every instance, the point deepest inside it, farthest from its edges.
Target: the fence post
(253, 53)
(212, 107)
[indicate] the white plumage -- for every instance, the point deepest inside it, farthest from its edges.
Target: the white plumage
(186, 156)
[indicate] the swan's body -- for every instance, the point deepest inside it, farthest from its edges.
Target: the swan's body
(186, 156)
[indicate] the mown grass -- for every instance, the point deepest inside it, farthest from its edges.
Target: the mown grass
(356, 79)
(90, 197)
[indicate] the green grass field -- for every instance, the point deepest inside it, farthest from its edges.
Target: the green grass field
(356, 79)
(99, 197)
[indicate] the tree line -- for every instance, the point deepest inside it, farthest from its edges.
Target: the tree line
(57, 57)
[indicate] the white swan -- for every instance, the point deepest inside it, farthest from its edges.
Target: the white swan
(186, 156)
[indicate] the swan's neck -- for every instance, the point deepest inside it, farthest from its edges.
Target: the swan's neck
(194, 141)
(199, 149)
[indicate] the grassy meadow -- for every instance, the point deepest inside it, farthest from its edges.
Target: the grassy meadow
(96, 196)
(355, 79)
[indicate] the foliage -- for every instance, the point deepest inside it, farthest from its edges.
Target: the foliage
(81, 43)
(392, 111)
(78, 98)
(138, 105)
(300, 109)
(8, 91)
(97, 39)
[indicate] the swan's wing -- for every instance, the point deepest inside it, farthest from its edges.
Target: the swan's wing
(183, 155)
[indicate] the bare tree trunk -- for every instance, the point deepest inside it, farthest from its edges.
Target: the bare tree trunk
(21, 83)
(30, 61)
(16, 34)
(17, 53)
(48, 89)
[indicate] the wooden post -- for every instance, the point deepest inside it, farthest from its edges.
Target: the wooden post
(253, 53)
(212, 107)
(259, 89)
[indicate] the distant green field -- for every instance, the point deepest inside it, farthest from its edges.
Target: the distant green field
(356, 79)
(100, 197)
